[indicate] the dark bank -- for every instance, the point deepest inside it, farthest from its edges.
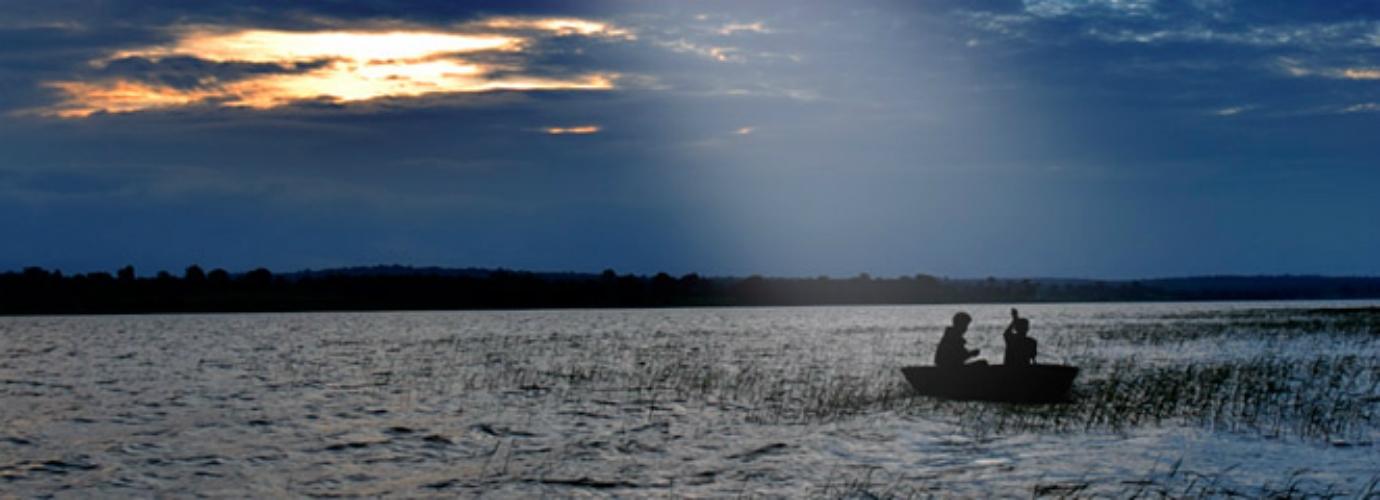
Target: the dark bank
(40, 291)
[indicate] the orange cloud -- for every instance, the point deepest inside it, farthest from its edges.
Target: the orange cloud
(583, 129)
(559, 26)
(285, 47)
(1360, 74)
(340, 66)
(121, 97)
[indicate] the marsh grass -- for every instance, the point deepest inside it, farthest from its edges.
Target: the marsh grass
(1328, 399)
(1309, 374)
(873, 483)
(1279, 374)
(1175, 482)
(1133, 375)
(1178, 483)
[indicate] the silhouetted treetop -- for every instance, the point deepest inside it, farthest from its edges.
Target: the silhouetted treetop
(38, 291)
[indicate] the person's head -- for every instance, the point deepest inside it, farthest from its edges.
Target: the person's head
(1014, 313)
(1021, 325)
(962, 319)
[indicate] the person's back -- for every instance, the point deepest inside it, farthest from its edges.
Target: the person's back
(952, 350)
(1020, 348)
(1028, 350)
(1017, 343)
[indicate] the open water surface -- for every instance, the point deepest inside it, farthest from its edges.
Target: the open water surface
(713, 403)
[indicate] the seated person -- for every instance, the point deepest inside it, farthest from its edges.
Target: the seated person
(952, 349)
(1020, 348)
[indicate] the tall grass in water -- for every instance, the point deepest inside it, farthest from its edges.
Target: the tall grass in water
(1331, 399)
(873, 484)
(1173, 371)
(1329, 395)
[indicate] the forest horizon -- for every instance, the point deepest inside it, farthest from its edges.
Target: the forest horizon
(38, 291)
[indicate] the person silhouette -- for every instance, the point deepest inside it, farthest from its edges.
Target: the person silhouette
(953, 350)
(1020, 348)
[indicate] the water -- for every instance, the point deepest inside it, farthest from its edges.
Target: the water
(788, 403)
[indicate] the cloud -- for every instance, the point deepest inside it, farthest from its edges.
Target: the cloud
(717, 53)
(1369, 107)
(1359, 74)
(1057, 8)
(579, 130)
(1353, 34)
(1159, 22)
(719, 37)
(1299, 69)
(558, 26)
(263, 69)
(731, 28)
(1233, 111)
(285, 47)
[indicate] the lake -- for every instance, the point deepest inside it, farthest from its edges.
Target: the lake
(1201, 399)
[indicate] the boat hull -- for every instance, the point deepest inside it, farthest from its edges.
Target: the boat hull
(1015, 384)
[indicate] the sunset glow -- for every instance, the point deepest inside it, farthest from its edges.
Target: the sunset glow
(122, 97)
(559, 26)
(335, 66)
(584, 129)
(280, 47)
(1361, 74)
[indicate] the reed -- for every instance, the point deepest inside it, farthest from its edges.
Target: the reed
(1176, 482)
(873, 483)
(1328, 395)
(1184, 371)
(1327, 400)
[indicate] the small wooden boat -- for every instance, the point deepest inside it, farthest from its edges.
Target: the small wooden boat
(1015, 384)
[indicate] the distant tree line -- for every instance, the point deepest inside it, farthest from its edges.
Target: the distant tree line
(39, 291)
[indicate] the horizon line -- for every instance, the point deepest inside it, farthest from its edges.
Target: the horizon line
(730, 276)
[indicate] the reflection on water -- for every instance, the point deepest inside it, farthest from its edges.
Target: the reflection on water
(670, 403)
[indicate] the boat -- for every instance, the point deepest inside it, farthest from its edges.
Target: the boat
(1003, 383)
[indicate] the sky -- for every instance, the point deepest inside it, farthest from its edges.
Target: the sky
(1107, 139)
